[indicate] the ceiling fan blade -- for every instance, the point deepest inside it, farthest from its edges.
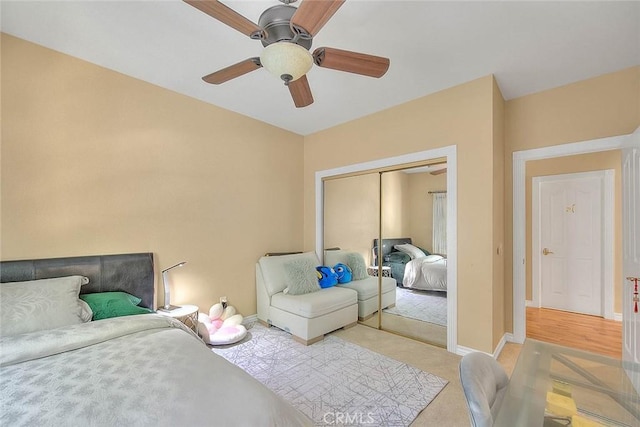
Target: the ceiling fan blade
(233, 71)
(228, 16)
(301, 92)
(351, 62)
(312, 15)
(439, 171)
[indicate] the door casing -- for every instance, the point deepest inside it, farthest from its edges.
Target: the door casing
(520, 159)
(450, 152)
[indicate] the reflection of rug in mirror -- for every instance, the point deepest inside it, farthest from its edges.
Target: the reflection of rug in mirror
(428, 306)
(335, 379)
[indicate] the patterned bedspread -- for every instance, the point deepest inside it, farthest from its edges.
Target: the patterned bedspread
(134, 370)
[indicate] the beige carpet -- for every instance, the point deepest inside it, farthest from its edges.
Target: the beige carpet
(335, 376)
(449, 408)
(426, 332)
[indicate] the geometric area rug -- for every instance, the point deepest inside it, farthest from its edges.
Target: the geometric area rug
(333, 381)
(428, 306)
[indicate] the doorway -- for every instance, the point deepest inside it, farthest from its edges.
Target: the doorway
(520, 161)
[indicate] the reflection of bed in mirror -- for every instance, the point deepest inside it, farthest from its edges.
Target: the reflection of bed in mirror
(409, 267)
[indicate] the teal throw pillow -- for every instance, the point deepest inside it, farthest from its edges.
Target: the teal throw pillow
(398, 257)
(113, 304)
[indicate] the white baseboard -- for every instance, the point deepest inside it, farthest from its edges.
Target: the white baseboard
(510, 338)
(529, 303)
(617, 317)
(248, 320)
(462, 350)
(500, 346)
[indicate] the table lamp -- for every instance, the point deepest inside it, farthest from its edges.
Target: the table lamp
(165, 282)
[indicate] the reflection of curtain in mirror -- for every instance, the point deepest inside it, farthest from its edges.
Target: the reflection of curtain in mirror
(440, 223)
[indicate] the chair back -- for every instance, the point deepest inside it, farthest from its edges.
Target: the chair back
(272, 269)
(484, 382)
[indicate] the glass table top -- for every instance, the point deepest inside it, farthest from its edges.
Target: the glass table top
(552, 385)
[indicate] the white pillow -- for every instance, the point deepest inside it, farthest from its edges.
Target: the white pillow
(86, 314)
(301, 277)
(354, 260)
(413, 251)
(39, 304)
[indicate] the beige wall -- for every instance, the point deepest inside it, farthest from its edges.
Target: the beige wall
(575, 164)
(460, 116)
(351, 209)
(395, 196)
(420, 206)
(95, 162)
(351, 206)
(604, 106)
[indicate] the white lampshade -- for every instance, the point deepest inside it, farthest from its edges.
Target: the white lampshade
(284, 59)
(165, 282)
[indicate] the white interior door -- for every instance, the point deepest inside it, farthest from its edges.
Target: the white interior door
(631, 257)
(571, 212)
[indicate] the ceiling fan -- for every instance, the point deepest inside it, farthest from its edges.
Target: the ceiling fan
(287, 32)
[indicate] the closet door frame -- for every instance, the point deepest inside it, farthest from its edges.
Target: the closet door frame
(450, 153)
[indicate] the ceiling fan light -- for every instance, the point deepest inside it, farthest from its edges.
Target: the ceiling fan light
(284, 59)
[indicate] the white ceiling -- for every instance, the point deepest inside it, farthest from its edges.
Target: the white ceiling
(528, 46)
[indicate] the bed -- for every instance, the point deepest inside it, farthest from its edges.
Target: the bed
(144, 369)
(410, 266)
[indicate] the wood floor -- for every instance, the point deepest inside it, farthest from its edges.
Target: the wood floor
(574, 330)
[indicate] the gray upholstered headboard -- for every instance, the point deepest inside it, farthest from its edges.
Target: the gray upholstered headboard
(387, 246)
(132, 273)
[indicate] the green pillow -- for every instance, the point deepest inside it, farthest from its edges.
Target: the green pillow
(113, 304)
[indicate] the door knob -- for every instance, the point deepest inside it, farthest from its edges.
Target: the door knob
(546, 251)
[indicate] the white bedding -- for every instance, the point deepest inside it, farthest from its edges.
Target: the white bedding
(426, 273)
(135, 370)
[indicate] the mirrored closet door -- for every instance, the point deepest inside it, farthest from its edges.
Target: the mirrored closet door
(407, 252)
(394, 208)
(351, 218)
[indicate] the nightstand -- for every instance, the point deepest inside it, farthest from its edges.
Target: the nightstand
(372, 270)
(187, 314)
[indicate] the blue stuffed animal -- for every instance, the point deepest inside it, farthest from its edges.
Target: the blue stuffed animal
(328, 276)
(344, 272)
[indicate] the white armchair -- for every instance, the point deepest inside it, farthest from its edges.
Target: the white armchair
(309, 316)
(367, 288)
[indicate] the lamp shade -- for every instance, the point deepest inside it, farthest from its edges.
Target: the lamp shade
(286, 60)
(165, 282)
